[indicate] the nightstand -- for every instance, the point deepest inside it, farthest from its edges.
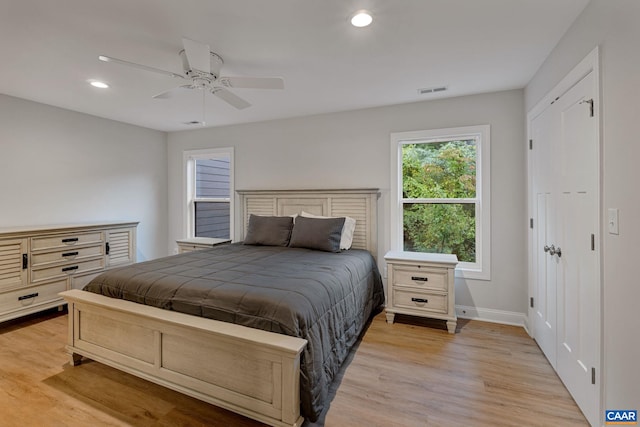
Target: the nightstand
(199, 243)
(421, 284)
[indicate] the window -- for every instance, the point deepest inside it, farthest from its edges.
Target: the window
(440, 195)
(209, 189)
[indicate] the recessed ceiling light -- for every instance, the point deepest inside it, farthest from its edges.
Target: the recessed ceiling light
(99, 84)
(361, 18)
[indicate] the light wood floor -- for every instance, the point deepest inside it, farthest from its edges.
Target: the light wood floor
(411, 373)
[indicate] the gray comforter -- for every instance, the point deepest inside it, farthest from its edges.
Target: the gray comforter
(325, 298)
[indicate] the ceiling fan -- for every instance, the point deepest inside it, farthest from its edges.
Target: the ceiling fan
(202, 71)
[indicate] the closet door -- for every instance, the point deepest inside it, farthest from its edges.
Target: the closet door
(545, 130)
(564, 244)
(578, 285)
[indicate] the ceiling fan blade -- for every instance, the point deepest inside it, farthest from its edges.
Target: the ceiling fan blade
(253, 82)
(139, 66)
(230, 98)
(197, 55)
(173, 92)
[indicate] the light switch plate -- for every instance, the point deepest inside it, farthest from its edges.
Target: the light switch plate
(612, 221)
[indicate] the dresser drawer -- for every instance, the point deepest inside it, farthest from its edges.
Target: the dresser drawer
(66, 255)
(65, 240)
(423, 277)
(35, 295)
(416, 300)
(65, 270)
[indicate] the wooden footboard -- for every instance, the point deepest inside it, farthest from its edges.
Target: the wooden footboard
(248, 371)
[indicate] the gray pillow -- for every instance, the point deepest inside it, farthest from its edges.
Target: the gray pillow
(269, 230)
(316, 233)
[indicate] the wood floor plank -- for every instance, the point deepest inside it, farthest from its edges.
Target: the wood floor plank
(411, 373)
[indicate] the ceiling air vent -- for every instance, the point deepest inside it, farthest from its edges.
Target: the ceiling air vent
(427, 90)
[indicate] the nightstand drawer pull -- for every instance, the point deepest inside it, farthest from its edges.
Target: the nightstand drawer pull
(24, 297)
(64, 270)
(420, 300)
(70, 240)
(70, 254)
(420, 279)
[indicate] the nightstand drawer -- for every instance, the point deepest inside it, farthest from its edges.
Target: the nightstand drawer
(423, 277)
(411, 299)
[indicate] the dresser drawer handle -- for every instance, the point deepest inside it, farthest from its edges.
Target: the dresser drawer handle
(24, 297)
(420, 279)
(64, 270)
(70, 253)
(420, 300)
(70, 240)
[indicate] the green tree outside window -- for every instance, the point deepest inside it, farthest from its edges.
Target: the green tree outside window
(438, 181)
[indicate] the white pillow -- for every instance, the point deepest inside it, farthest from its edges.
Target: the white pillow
(346, 238)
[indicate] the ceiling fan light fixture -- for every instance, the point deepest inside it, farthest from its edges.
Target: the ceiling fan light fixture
(99, 84)
(361, 18)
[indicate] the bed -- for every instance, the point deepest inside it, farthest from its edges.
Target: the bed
(260, 373)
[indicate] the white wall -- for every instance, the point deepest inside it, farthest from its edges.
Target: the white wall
(613, 25)
(60, 167)
(351, 149)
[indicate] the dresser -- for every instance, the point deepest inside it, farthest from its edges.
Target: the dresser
(199, 243)
(421, 284)
(38, 263)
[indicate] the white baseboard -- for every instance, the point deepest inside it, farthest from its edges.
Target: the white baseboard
(490, 315)
(527, 327)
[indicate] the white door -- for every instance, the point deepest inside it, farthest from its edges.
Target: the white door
(578, 280)
(544, 128)
(565, 272)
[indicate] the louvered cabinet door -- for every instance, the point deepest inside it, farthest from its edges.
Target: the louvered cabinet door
(121, 246)
(13, 272)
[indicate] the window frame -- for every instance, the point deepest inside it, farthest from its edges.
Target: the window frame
(189, 187)
(481, 269)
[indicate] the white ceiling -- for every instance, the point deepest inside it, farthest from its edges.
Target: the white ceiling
(50, 50)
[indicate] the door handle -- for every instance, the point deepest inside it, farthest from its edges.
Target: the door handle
(553, 250)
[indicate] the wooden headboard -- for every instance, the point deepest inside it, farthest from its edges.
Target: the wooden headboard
(360, 204)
